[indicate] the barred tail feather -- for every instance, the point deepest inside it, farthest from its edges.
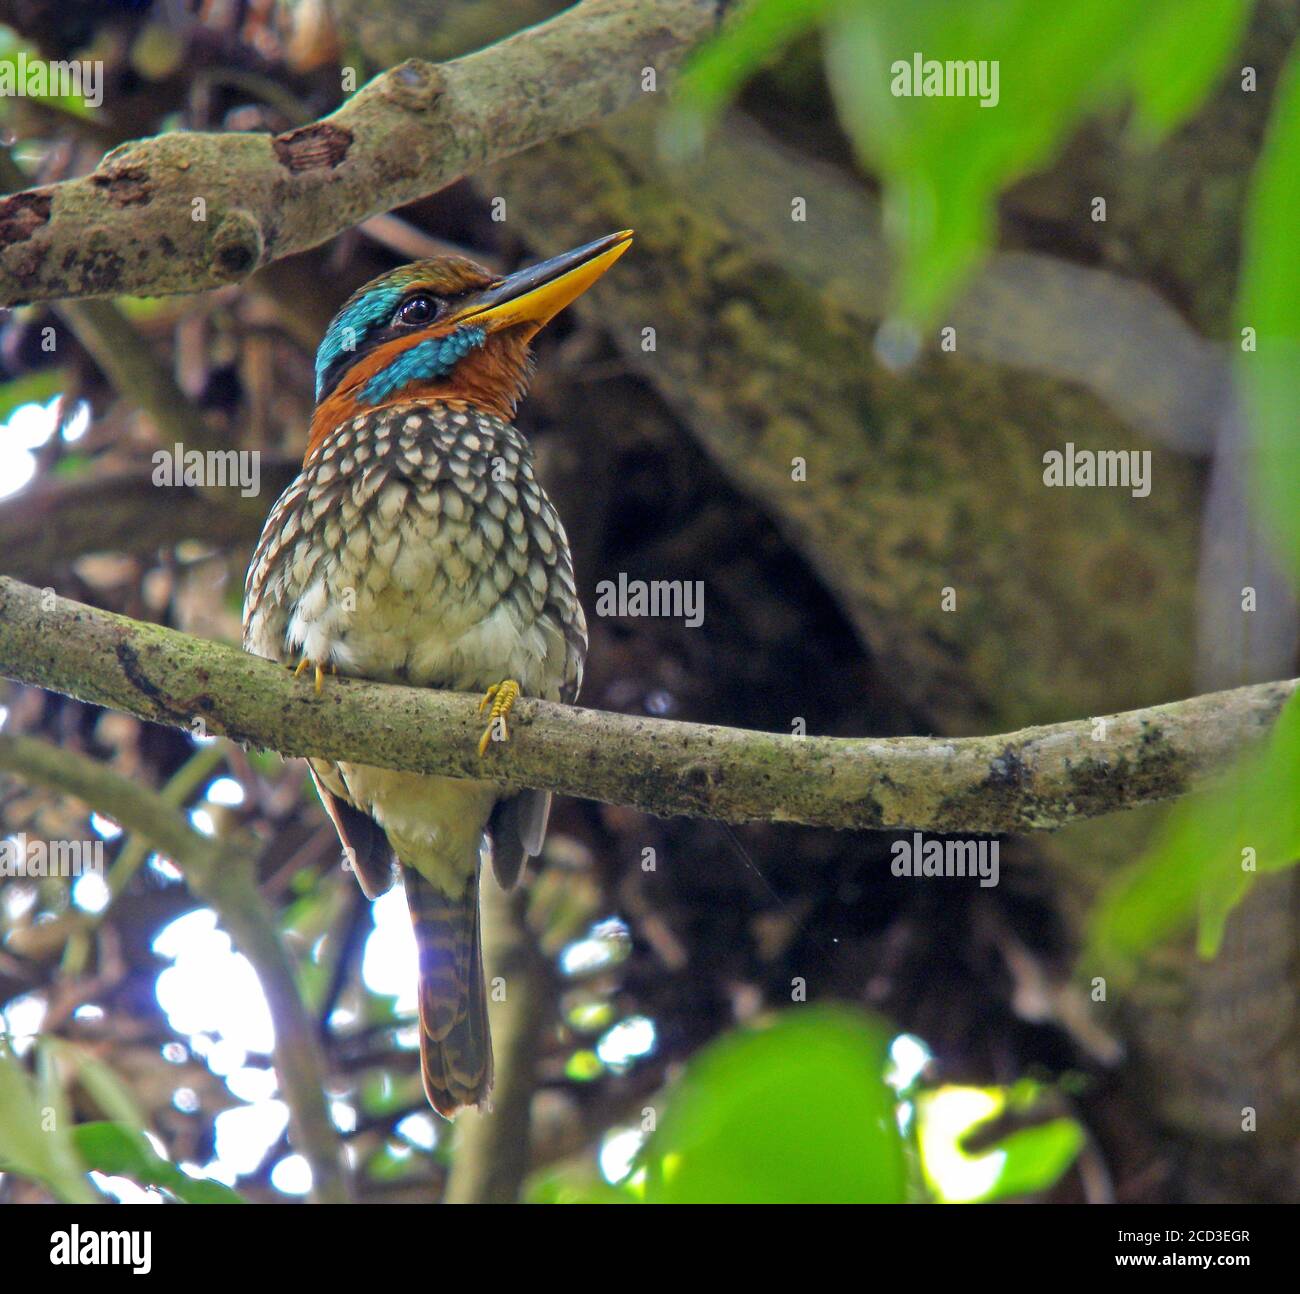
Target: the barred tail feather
(455, 1043)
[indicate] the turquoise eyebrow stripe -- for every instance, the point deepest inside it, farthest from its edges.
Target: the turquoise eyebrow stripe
(433, 358)
(350, 327)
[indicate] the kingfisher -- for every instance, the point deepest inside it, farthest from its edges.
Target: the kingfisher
(416, 546)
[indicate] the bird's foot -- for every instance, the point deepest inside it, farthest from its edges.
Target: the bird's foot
(320, 671)
(501, 697)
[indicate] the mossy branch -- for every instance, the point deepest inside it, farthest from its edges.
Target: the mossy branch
(1036, 778)
(188, 210)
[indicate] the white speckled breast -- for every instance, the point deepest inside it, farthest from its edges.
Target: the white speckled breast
(416, 546)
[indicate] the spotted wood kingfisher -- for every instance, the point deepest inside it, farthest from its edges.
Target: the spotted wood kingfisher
(417, 547)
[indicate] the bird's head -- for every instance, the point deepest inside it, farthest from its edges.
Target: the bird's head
(446, 328)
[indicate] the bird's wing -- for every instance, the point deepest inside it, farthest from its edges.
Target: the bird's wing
(518, 827)
(360, 835)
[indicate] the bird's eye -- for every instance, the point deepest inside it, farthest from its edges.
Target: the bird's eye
(417, 311)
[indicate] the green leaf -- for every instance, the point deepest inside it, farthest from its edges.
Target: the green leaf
(108, 1091)
(573, 1184)
(716, 72)
(1269, 303)
(1036, 1158)
(32, 388)
(1028, 1161)
(1179, 55)
(797, 1112)
(393, 1162)
(121, 1151)
(34, 1131)
(1208, 854)
(945, 158)
(584, 1066)
(11, 47)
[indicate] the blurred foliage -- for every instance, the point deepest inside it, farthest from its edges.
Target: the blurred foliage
(798, 1110)
(31, 388)
(1023, 1162)
(944, 159)
(39, 1140)
(1270, 305)
(14, 55)
(1208, 854)
(1213, 846)
(36, 1130)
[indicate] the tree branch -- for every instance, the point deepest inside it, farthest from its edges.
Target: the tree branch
(44, 527)
(1037, 778)
(123, 355)
(132, 225)
(220, 873)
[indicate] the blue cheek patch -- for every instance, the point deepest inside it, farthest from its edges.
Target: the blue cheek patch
(423, 362)
(350, 328)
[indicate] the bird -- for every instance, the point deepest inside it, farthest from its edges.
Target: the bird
(417, 547)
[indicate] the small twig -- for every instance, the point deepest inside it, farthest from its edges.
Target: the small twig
(131, 364)
(404, 239)
(135, 849)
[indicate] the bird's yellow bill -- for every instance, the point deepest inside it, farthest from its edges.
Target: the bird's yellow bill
(534, 296)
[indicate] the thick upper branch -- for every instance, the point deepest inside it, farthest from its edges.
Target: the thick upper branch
(184, 210)
(1035, 778)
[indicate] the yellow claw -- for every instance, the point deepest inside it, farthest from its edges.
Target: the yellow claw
(320, 671)
(501, 697)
